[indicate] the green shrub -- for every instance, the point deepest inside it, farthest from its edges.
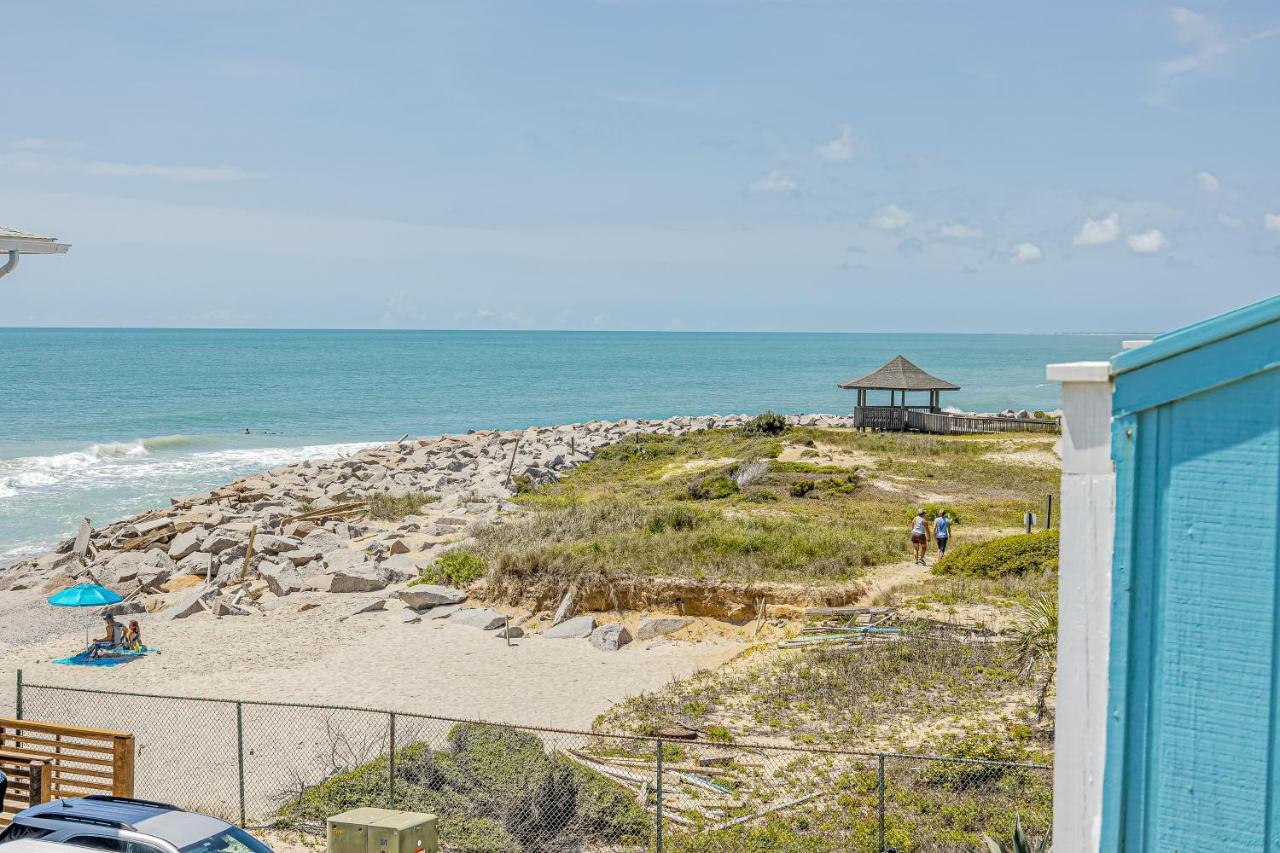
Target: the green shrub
(933, 510)
(769, 423)
(456, 568)
(1040, 415)
(524, 484)
(762, 496)
(801, 488)
(396, 507)
(711, 488)
(1008, 555)
(494, 790)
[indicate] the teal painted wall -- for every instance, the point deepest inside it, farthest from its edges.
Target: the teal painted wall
(1193, 744)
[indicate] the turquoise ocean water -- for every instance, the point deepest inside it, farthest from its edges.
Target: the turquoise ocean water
(104, 423)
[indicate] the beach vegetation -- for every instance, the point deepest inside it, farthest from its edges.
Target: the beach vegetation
(1034, 553)
(766, 423)
(454, 568)
(397, 507)
(494, 789)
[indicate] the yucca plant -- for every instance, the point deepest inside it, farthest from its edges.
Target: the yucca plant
(1021, 844)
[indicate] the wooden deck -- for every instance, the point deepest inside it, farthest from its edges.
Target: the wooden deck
(921, 419)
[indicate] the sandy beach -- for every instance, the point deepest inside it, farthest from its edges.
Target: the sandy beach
(369, 660)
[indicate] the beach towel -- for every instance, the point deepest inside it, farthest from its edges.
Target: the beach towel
(115, 657)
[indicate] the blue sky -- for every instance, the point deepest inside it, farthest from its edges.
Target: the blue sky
(638, 164)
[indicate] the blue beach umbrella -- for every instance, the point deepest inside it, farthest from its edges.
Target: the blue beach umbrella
(85, 595)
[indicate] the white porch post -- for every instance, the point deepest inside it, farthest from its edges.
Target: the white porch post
(1084, 603)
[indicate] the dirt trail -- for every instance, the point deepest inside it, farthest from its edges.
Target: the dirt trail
(888, 578)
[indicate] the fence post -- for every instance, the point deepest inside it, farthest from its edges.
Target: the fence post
(880, 797)
(240, 756)
(1048, 511)
(391, 763)
(658, 800)
(17, 701)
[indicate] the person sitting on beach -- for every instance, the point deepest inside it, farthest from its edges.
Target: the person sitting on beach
(132, 639)
(110, 639)
(920, 537)
(942, 532)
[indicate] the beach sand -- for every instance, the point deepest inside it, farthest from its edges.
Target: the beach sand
(368, 660)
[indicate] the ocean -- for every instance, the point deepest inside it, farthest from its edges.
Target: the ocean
(108, 422)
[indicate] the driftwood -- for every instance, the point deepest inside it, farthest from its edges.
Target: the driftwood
(350, 508)
(738, 821)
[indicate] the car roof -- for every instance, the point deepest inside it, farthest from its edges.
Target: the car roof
(161, 820)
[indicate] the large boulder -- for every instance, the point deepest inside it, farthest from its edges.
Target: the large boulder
(658, 626)
(565, 610)
(570, 629)
(198, 563)
(610, 638)
(423, 595)
(323, 541)
(194, 602)
(219, 541)
(302, 556)
(274, 544)
(345, 558)
(185, 544)
(478, 617)
(360, 578)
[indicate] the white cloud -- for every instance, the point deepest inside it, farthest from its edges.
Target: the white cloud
(1208, 182)
(843, 147)
(1026, 253)
(1095, 232)
(890, 218)
(959, 231)
(1230, 221)
(178, 174)
(1210, 46)
(774, 182)
(1148, 242)
(1271, 221)
(36, 155)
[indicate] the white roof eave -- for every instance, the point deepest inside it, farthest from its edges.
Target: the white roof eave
(32, 246)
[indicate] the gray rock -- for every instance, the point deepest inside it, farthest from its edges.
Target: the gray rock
(658, 626)
(409, 616)
(323, 541)
(365, 578)
(192, 603)
(577, 627)
(198, 563)
(217, 542)
(122, 608)
(345, 558)
(478, 617)
(429, 595)
(378, 604)
(444, 611)
(274, 544)
(302, 556)
(510, 633)
(610, 638)
(281, 580)
(185, 544)
(565, 610)
(223, 607)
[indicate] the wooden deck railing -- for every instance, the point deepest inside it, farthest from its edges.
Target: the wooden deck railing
(76, 760)
(945, 423)
(29, 784)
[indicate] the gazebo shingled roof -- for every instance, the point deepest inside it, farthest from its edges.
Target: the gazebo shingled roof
(900, 375)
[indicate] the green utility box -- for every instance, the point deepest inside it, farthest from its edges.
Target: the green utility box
(382, 831)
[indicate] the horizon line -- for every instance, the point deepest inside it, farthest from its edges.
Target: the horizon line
(4, 328)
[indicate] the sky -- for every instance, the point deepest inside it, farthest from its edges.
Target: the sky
(806, 165)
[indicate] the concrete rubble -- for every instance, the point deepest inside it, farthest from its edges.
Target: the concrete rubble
(302, 527)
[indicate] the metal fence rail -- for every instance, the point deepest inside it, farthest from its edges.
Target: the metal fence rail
(500, 787)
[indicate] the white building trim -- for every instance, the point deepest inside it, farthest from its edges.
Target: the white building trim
(1084, 603)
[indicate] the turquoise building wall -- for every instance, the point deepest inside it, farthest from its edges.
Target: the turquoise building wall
(1193, 736)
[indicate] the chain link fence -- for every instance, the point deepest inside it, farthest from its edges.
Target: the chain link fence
(500, 788)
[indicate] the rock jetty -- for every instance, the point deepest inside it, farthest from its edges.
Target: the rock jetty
(304, 527)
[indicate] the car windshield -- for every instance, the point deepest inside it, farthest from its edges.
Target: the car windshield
(232, 840)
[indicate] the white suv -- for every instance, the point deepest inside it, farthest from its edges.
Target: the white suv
(126, 825)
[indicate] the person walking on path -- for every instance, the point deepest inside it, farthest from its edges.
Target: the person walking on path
(942, 532)
(920, 537)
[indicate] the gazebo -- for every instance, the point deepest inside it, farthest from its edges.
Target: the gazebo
(15, 243)
(899, 377)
